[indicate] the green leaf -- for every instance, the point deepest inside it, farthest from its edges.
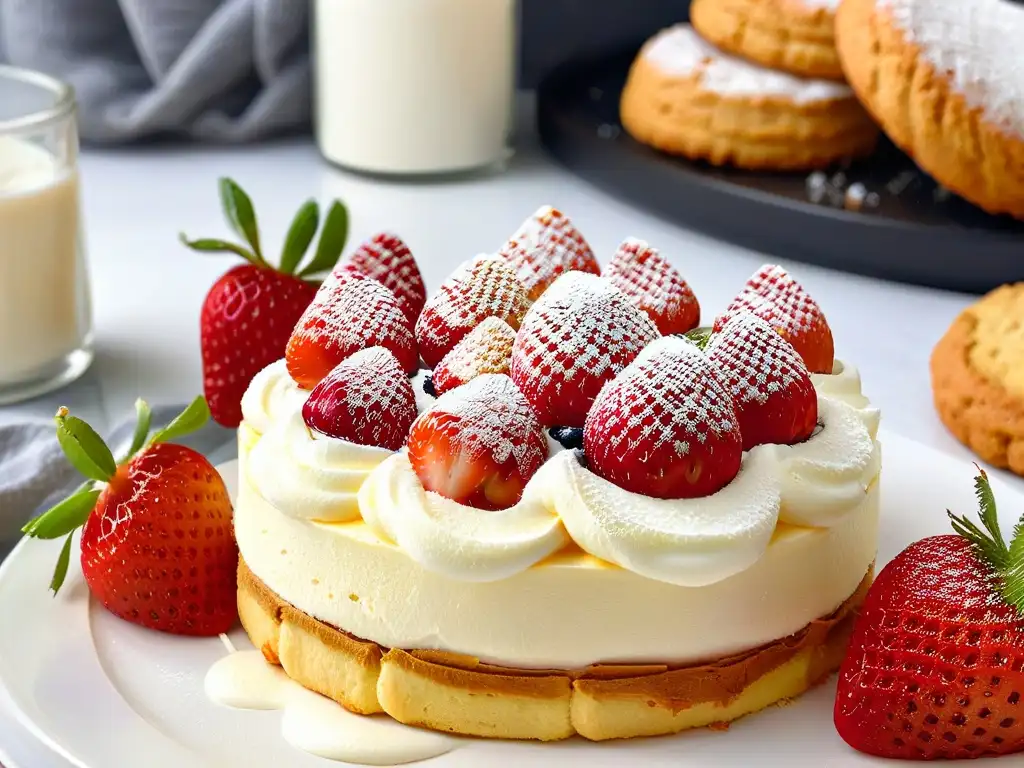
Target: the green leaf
(333, 237)
(988, 513)
(189, 420)
(61, 571)
(143, 420)
(300, 235)
(240, 214)
(699, 336)
(65, 517)
(84, 448)
(212, 245)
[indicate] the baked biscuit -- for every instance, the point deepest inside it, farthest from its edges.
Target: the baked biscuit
(944, 80)
(978, 378)
(685, 97)
(795, 36)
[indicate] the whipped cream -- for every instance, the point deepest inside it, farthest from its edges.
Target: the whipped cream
(271, 395)
(688, 542)
(842, 384)
(829, 474)
(423, 400)
(309, 476)
(454, 540)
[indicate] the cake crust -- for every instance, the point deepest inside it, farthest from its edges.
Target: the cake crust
(459, 694)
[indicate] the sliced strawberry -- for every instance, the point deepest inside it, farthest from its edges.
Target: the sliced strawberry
(935, 665)
(157, 545)
(654, 286)
(544, 248)
(479, 444)
(481, 288)
(350, 313)
(665, 427)
(771, 389)
(486, 349)
(773, 295)
(578, 336)
(388, 260)
(367, 399)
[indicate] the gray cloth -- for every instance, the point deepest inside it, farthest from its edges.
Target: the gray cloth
(35, 475)
(214, 70)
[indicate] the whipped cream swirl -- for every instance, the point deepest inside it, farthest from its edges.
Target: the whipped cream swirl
(842, 384)
(689, 542)
(829, 474)
(309, 476)
(271, 395)
(452, 539)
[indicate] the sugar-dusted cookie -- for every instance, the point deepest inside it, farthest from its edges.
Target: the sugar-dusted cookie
(795, 36)
(978, 378)
(686, 97)
(945, 80)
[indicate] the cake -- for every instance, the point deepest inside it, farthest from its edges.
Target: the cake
(589, 532)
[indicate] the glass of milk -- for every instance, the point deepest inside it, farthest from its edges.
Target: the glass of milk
(45, 315)
(414, 88)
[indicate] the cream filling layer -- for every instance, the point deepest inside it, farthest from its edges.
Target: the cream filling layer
(567, 611)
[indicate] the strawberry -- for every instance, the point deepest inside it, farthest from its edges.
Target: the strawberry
(773, 295)
(665, 427)
(367, 399)
(481, 288)
(349, 313)
(544, 248)
(157, 544)
(479, 444)
(249, 312)
(935, 666)
(654, 286)
(388, 260)
(771, 389)
(578, 336)
(486, 349)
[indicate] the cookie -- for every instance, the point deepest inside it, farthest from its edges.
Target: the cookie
(978, 378)
(944, 80)
(795, 36)
(685, 97)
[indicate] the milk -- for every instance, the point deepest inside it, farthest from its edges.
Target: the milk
(42, 319)
(414, 86)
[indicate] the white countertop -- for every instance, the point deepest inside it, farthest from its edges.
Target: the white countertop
(147, 289)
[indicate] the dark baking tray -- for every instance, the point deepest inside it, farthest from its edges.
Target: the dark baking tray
(919, 234)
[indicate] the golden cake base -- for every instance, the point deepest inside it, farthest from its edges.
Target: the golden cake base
(458, 694)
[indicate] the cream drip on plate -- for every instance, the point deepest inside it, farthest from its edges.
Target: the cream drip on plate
(452, 539)
(314, 724)
(679, 50)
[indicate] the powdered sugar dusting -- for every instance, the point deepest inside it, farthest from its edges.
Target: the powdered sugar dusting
(495, 420)
(387, 259)
(679, 50)
(546, 246)
(486, 349)
(579, 334)
(756, 362)
(673, 396)
(481, 288)
(775, 296)
(654, 286)
(977, 44)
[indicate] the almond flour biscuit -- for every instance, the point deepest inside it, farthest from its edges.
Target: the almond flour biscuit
(978, 378)
(945, 81)
(685, 97)
(795, 36)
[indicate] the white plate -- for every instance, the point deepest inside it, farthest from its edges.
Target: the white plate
(100, 693)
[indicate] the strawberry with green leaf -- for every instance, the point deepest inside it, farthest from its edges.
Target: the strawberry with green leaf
(249, 313)
(157, 546)
(935, 667)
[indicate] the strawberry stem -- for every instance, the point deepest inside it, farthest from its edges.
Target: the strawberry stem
(195, 415)
(1007, 562)
(300, 235)
(84, 448)
(239, 211)
(212, 245)
(333, 237)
